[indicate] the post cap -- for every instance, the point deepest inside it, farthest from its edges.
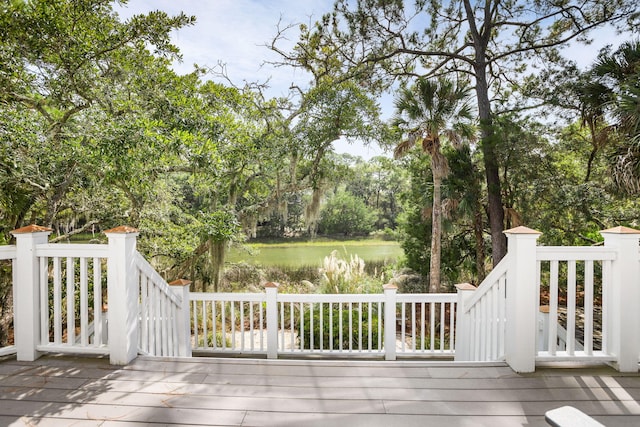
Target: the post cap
(180, 282)
(620, 230)
(465, 287)
(123, 229)
(33, 228)
(389, 286)
(271, 285)
(521, 230)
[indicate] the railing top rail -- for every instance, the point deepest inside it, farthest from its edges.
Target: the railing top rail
(327, 298)
(488, 282)
(228, 296)
(575, 253)
(156, 278)
(72, 250)
(7, 252)
(321, 298)
(8, 350)
(443, 297)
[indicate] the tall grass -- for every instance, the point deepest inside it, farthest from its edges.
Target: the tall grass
(244, 277)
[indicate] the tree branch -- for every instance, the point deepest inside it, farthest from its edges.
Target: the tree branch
(76, 231)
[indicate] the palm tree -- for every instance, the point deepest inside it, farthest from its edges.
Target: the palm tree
(592, 98)
(618, 74)
(429, 113)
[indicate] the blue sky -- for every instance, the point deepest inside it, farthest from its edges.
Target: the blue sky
(234, 32)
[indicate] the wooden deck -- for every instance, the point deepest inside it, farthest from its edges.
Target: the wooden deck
(65, 391)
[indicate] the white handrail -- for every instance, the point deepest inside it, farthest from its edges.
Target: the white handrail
(160, 312)
(489, 281)
(7, 252)
(72, 250)
(156, 278)
(63, 290)
(575, 253)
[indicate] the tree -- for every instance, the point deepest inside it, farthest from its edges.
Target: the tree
(429, 113)
(329, 112)
(490, 41)
(617, 77)
(415, 221)
(219, 228)
(607, 98)
(465, 210)
(347, 215)
(64, 66)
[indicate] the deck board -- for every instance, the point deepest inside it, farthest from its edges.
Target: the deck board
(64, 391)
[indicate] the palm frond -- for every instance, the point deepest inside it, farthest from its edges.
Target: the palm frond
(435, 106)
(403, 148)
(626, 167)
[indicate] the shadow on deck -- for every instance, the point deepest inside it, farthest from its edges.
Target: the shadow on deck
(63, 391)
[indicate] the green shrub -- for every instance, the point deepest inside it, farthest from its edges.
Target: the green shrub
(331, 316)
(219, 340)
(427, 343)
(387, 234)
(347, 215)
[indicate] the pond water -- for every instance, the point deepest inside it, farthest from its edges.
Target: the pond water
(313, 253)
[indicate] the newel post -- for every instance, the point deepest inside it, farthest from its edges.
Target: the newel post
(462, 336)
(181, 287)
(390, 292)
(27, 290)
(621, 298)
(271, 289)
(122, 294)
(522, 299)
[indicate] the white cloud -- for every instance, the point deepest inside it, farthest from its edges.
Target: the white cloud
(585, 55)
(234, 32)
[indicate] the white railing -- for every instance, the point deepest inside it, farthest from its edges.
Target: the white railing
(160, 329)
(330, 324)
(72, 298)
(592, 295)
(8, 253)
(481, 334)
(590, 298)
(96, 299)
(275, 324)
(571, 282)
(427, 324)
(228, 322)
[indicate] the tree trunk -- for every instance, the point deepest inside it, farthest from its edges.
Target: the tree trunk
(217, 253)
(478, 230)
(495, 211)
(594, 151)
(481, 35)
(436, 234)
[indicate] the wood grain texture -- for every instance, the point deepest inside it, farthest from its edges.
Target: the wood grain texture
(64, 391)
